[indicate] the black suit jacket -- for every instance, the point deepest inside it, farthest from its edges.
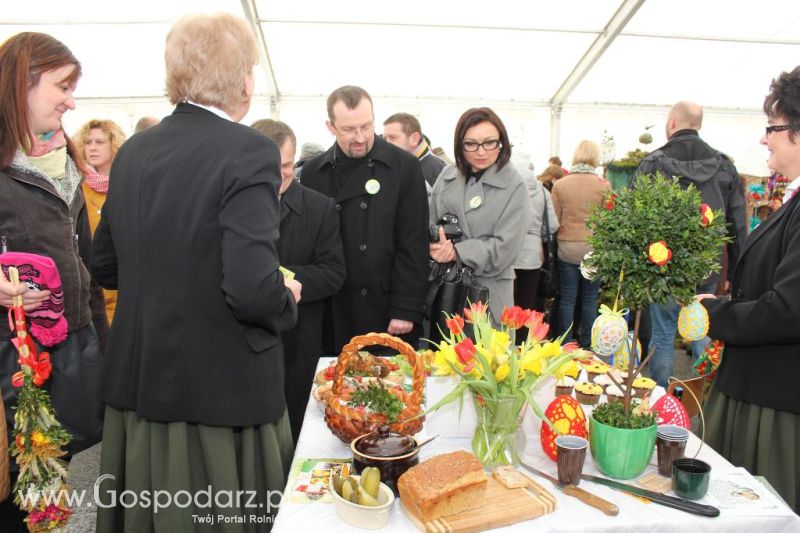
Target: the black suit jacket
(761, 323)
(384, 234)
(310, 247)
(188, 236)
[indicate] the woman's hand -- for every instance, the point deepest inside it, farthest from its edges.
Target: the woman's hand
(701, 297)
(295, 287)
(31, 299)
(443, 251)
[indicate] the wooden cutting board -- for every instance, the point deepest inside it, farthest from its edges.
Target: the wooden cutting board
(503, 507)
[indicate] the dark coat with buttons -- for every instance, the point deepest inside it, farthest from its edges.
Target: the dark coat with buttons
(310, 247)
(384, 234)
(189, 235)
(760, 325)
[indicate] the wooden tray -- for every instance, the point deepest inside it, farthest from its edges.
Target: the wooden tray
(503, 507)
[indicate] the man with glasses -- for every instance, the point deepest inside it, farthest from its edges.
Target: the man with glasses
(696, 163)
(381, 200)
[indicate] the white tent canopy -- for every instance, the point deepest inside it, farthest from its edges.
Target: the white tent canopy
(556, 72)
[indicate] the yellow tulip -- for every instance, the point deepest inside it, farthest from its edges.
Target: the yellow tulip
(502, 372)
(569, 368)
(440, 361)
(532, 361)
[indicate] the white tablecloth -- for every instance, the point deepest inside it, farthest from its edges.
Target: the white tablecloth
(316, 441)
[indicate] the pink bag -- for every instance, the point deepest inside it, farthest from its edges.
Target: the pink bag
(48, 324)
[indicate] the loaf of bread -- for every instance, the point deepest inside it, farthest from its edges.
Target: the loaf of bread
(444, 485)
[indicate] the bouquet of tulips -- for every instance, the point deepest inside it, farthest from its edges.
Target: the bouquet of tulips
(501, 373)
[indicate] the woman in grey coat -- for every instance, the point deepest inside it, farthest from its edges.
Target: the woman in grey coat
(528, 265)
(489, 197)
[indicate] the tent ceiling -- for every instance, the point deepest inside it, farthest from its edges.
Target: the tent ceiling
(719, 53)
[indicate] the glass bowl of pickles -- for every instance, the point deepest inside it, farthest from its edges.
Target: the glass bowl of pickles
(362, 501)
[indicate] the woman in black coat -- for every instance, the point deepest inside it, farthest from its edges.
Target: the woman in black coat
(753, 412)
(193, 381)
(310, 247)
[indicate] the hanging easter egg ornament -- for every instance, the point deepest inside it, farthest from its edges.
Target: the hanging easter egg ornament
(706, 214)
(671, 411)
(621, 357)
(693, 322)
(568, 418)
(659, 253)
(608, 331)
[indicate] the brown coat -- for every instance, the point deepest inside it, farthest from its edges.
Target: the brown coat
(573, 197)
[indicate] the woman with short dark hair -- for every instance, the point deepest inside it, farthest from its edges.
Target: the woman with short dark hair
(753, 411)
(490, 200)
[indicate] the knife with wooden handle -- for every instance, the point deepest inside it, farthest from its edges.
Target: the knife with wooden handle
(576, 492)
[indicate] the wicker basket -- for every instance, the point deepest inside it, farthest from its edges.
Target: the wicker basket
(348, 423)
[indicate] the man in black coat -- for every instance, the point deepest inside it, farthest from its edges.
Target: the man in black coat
(380, 196)
(696, 163)
(310, 247)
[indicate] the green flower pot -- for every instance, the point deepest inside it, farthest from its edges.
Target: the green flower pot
(621, 453)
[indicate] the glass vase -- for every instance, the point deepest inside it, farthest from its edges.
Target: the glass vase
(497, 439)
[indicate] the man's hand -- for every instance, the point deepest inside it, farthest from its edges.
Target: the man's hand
(31, 299)
(295, 287)
(442, 251)
(399, 327)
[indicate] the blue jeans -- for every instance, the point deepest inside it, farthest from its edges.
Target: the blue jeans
(664, 327)
(572, 281)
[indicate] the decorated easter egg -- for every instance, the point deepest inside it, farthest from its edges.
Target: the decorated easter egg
(621, 357)
(608, 332)
(693, 322)
(567, 417)
(671, 411)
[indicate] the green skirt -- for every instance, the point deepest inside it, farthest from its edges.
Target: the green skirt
(179, 477)
(764, 441)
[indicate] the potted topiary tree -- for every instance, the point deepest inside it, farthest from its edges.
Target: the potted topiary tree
(655, 242)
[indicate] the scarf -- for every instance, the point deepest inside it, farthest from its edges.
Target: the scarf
(49, 154)
(97, 182)
(581, 168)
(423, 149)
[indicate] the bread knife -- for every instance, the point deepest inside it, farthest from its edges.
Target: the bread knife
(576, 492)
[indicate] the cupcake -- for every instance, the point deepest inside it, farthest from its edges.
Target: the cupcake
(565, 386)
(588, 393)
(614, 394)
(595, 369)
(604, 380)
(643, 387)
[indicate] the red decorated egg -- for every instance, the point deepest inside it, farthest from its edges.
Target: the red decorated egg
(567, 417)
(671, 411)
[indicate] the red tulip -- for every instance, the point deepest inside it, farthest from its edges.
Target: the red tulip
(465, 350)
(455, 324)
(476, 311)
(515, 317)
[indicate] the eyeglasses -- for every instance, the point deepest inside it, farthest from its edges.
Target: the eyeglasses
(773, 129)
(472, 146)
(349, 131)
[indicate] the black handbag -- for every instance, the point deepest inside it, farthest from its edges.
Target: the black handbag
(549, 282)
(451, 287)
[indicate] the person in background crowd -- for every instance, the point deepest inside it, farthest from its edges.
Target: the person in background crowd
(42, 211)
(488, 196)
(307, 151)
(193, 381)
(97, 142)
(555, 160)
(404, 131)
(146, 122)
(753, 410)
(311, 248)
(527, 267)
(380, 196)
(690, 158)
(573, 197)
(550, 175)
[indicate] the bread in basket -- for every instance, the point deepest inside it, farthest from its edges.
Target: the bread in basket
(348, 422)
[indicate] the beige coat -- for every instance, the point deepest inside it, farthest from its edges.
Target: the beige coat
(494, 214)
(573, 197)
